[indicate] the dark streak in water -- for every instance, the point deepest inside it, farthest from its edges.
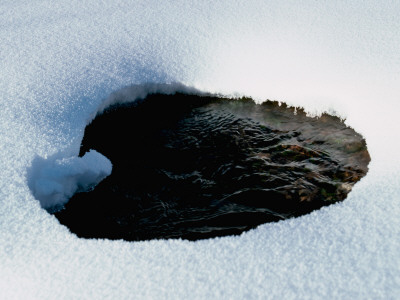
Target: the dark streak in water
(198, 167)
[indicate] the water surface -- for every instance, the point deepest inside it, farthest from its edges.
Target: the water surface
(198, 167)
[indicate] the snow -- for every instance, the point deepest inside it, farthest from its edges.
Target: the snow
(61, 64)
(54, 181)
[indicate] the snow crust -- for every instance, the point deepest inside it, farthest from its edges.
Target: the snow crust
(61, 64)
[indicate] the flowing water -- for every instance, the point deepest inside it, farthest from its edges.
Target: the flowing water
(198, 167)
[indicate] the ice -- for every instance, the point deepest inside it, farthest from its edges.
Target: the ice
(61, 64)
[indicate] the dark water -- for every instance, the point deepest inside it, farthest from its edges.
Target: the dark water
(197, 167)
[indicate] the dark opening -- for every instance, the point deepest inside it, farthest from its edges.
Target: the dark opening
(197, 167)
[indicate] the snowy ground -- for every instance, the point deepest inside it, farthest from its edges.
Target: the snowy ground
(59, 63)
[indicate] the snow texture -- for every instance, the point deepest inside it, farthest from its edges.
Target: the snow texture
(54, 181)
(60, 62)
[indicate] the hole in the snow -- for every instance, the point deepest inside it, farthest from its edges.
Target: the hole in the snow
(197, 167)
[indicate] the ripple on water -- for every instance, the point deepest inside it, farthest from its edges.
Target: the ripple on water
(198, 167)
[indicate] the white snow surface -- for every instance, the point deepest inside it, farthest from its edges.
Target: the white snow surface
(53, 181)
(61, 61)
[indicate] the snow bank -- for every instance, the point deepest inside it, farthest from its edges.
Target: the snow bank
(59, 64)
(141, 91)
(54, 181)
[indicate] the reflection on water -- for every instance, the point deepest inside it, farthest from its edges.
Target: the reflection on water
(198, 167)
